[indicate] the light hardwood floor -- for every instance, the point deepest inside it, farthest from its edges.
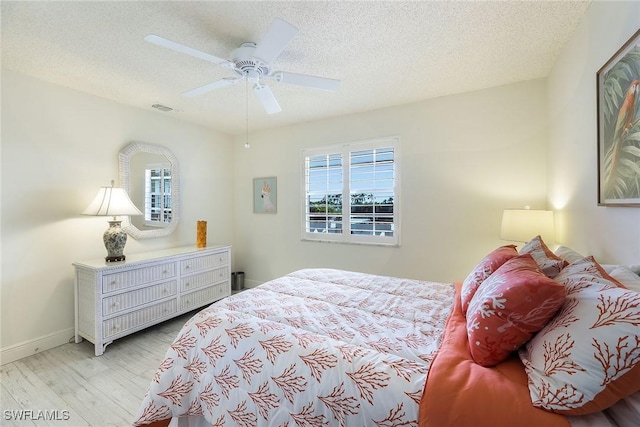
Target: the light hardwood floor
(79, 389)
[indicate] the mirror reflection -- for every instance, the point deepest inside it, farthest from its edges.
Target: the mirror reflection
(149, 173)
(150, 189)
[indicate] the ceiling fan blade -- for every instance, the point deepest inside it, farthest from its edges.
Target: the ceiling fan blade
(266, 97)
(211, 86)
(160, 41)
(315, 82)
(273, 42)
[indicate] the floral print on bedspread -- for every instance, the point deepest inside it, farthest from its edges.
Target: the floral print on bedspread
(317, 347)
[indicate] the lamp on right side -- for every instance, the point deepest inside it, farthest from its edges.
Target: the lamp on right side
(522, 225)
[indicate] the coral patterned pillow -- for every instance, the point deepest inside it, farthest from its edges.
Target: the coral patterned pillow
(516, 301)
(588, 356)
(549, 263)
(484, 269)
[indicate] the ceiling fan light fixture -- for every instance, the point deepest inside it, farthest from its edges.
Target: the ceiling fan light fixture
(252, 76)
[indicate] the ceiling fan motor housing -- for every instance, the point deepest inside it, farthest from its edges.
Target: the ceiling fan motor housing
(246, 65)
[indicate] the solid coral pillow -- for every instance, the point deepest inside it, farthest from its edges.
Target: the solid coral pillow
(516, 301)
(588, 356)
(549, 263)
(484, 269)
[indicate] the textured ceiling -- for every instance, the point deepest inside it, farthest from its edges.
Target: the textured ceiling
(384, 52)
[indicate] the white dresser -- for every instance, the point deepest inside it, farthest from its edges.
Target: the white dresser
(117, 299)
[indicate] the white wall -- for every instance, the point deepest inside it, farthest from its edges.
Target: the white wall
(612, 234)
(58, 147)
(464, 159)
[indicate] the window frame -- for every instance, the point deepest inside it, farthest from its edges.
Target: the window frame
(345, 150)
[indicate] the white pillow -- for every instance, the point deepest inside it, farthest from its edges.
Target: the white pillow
(626, 413)
(610, 267)
(567, 254)
(628, 275)
(628, 278)
(596, 419)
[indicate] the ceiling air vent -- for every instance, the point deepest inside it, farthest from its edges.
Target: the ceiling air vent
(162, 107)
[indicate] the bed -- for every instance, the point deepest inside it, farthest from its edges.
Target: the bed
(326, 347)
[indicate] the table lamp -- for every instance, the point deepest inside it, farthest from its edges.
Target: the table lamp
(113, 201)
(522, 225)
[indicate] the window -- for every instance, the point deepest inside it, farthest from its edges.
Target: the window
(157, 203)
(351, 193)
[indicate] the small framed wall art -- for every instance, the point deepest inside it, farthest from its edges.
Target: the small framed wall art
(618, 87)
(265, 195)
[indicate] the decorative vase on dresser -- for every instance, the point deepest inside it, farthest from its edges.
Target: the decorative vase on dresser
(116, 299)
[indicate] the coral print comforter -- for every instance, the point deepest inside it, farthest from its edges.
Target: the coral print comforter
(318, 347)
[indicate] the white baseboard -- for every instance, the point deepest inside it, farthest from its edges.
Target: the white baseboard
(28, 348)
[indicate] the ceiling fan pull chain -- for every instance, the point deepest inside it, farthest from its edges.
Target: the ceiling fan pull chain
(246, 98)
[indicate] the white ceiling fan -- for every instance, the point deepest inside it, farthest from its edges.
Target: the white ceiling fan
(252, 62)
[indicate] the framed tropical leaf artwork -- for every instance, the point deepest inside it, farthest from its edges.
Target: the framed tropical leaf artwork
(618, 86)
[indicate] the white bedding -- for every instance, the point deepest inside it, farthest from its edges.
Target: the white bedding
(360, 344)
(363, 352)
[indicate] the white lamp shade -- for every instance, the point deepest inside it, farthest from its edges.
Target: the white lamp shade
(111, 201)
(522, 225)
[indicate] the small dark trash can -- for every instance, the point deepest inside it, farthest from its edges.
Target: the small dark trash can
(237, 281)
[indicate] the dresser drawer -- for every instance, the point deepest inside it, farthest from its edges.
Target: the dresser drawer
(138, 318)
(113, 300)
(139, 297)
(204, 296)
(195, 264)
(127, 279)
(200, 280)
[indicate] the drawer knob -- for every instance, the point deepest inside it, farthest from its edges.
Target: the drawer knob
(187, 267)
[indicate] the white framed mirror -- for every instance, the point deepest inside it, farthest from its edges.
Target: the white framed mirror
(150, 175)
